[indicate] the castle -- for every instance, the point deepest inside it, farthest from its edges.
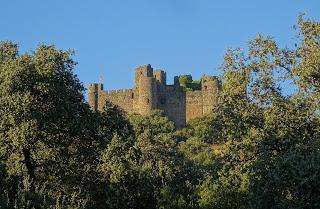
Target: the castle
(151, 92)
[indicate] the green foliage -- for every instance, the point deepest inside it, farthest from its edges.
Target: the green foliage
(112, 120)
(155, 122)
(48, 134)
(122, 181)
(288, 167)
(259, 148)
(279, 129)
(42, 107)
(171, 174)
(38, 197)
(186, 82)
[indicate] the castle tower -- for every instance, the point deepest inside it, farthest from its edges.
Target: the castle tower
(210, 88)
(143, 71)
(93, 95)
(145, 90)
(160, 76)
(147, 95)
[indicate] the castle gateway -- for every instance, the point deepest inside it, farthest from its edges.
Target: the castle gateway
(179, 103)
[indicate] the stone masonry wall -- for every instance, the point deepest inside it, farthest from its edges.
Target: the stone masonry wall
(194, 104)
(122, 98)
(173, 103)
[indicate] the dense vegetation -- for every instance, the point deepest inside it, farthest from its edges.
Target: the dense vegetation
(260, 148)
(187, 84)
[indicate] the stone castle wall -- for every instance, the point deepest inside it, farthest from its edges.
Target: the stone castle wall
(122, 98)
(194, 104)
(151, 92)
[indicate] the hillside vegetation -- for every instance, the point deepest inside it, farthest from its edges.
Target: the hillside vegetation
(259, 149)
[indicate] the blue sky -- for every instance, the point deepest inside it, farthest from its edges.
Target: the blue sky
(112, 37)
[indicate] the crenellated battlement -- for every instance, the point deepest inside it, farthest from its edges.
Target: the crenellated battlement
(119, 91)
(182, 101)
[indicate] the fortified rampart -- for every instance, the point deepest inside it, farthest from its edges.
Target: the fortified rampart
(151, 92)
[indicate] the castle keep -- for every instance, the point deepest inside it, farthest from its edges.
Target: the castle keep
(151, 91)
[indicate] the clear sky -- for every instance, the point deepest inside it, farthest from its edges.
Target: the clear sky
(113, 37)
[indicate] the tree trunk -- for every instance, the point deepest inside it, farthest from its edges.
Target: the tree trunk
(28, 162)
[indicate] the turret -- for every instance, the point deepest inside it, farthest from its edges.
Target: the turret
(147, 95)
(143, 71)
(160, 76)
(93, 95)
(210, 86)
(146, 89)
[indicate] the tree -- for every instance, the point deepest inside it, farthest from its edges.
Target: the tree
(46, 126)
(155, 123)
(170, 175)
(286, 172)
(123, 185)
(270, 140)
